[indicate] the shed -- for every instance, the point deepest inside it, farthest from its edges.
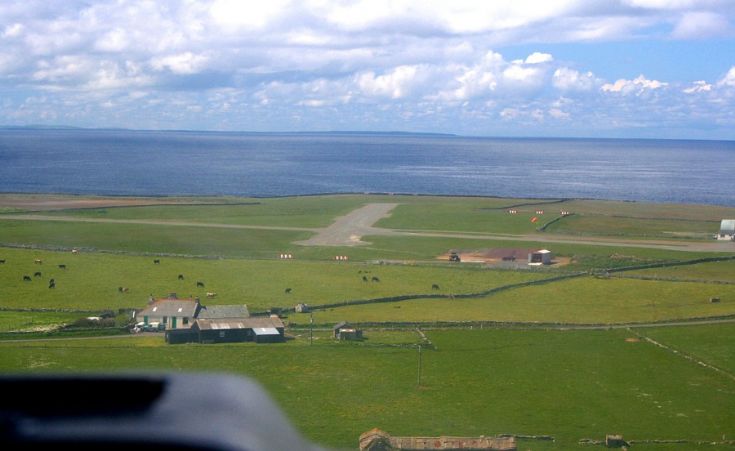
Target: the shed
(230, 330)
(302, 308)
(267, 335)
(727, 230)
(337, 327)
(173, 313)
(540, 257)
(349, 334)
(178, 336)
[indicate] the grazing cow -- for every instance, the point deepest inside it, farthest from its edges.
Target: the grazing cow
(62, 266)
(52, 284)
(38, 261)
(156, 262)
(74, 251)
(37, 274)
(181, 277)
(122, 289)
(27, 278)
(52, 281)
(2, 262)
(364, 278)
(434, 287)
(211, 295)
(288, 291)
(119, 289)
(200, 283)
(375, 279)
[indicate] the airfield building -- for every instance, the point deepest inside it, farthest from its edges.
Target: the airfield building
(540, 257)
(727, 230)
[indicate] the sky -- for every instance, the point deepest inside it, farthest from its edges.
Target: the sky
(566, 68)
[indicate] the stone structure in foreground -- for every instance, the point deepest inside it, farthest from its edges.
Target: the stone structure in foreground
(377, 440)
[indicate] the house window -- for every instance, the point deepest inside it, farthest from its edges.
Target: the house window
(222, 334)
(186, 320)
(164, 319)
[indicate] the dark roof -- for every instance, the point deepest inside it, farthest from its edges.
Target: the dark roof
(239, 323)
(171, 307)
(223, 311)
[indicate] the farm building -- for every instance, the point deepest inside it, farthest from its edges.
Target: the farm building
(727, 230)
(375, 439)
(172, 312)
(223, 311)
(540, 257)
(230, 330)
(345, 331)
(302, 308)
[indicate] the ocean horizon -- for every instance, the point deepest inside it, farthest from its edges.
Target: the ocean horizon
(119, 162)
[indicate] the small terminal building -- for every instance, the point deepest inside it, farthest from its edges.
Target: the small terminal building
(727, 230)
(540, 257)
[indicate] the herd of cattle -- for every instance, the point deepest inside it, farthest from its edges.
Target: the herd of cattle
(52, 282)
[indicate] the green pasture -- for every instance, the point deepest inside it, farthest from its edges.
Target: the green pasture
(306, 211)
(718, 271)
(25, 321)
(150, 238)
(91, 280)
(650, 210)
(584, 300)
(569, 384)
(468, 214)
(634, 227)
(712, 343)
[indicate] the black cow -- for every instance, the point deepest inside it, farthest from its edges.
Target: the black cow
(37, 274)
(156, 262)
(200, 283)
(27, 278)
(52, 284)
(364, 278)
(435, 287)
(2, 262)
(181, 277)
(288, 291)
(62, 266)
(375, 279)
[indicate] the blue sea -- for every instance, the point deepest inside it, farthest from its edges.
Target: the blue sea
(155, 163)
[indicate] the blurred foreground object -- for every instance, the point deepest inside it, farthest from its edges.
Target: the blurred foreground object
(142, 411)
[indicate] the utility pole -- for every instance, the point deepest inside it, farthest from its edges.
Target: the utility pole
(311, 328)
(418, 376)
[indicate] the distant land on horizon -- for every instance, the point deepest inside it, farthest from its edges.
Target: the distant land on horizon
(344, 132)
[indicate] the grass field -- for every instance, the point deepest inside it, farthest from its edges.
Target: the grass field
(720, 271)
(582, 300)
(712, 344)
(20, 321)
(91, 280)
(572, 384)
(306, 211)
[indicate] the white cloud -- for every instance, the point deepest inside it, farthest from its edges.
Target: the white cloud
(636, 85)
(698, 86)
(728, 79)
(13, 31)
(183, 63)
(556, 113)
(567, 79)
(395, 84)
(698, 25)
(537, 58)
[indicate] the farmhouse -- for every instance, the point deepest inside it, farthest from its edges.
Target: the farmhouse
(377, 440)
(727, 230)
(172, 312)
